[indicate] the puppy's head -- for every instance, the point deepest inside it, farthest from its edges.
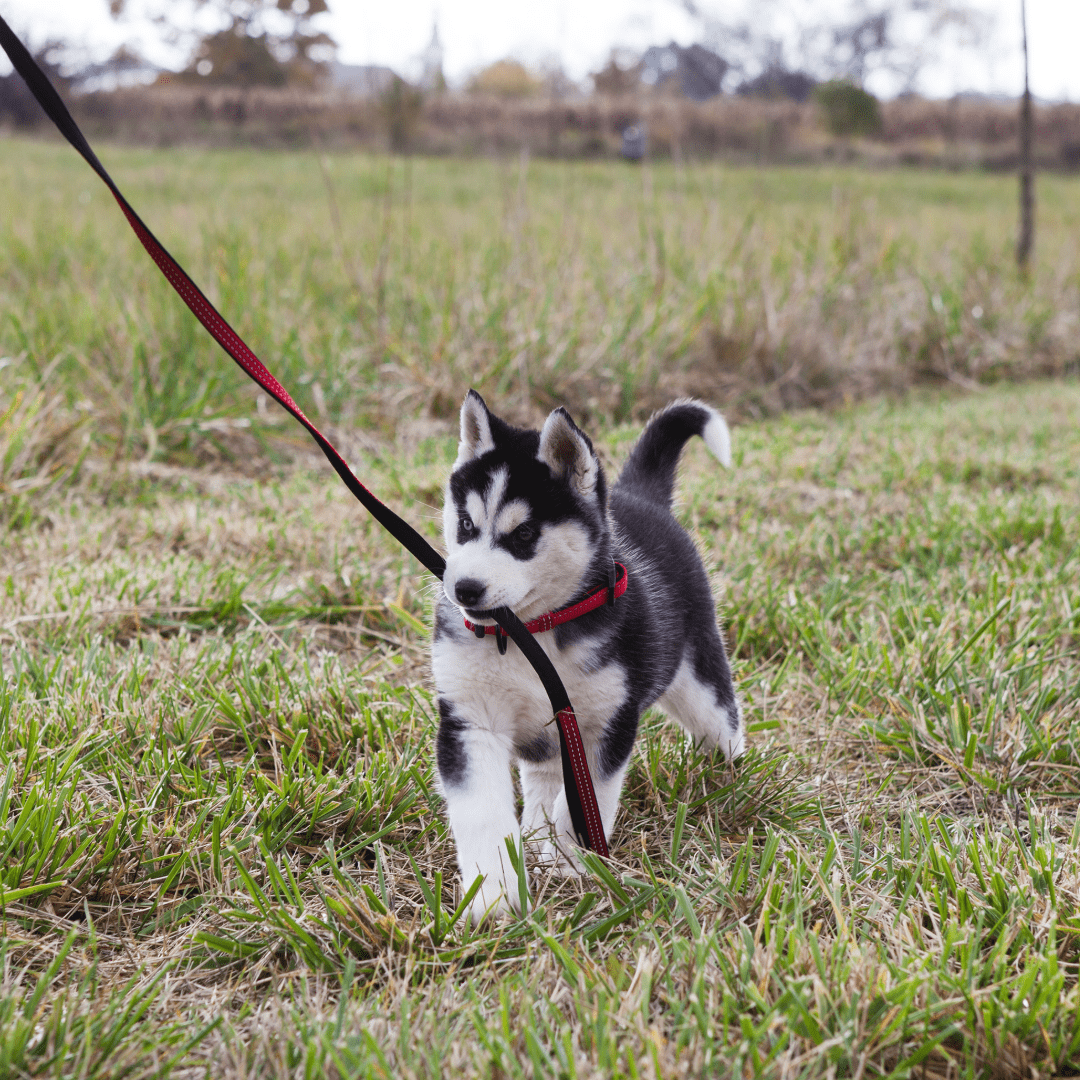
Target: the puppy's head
(525, 515)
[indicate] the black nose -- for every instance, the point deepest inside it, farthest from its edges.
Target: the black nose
(469, 592)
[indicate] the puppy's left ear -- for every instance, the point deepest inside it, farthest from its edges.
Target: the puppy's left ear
(565, 449)
(476, 438)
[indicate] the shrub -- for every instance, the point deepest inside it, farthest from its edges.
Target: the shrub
(401, 106)
(505, 78)
(848, 109)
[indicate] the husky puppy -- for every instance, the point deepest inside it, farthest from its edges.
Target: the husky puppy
(529, 523)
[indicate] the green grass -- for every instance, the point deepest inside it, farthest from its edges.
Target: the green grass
(222, 853)
(221, 848)
(382, 288)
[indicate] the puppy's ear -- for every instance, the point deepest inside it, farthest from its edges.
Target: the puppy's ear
(475, 429)
(565, 449)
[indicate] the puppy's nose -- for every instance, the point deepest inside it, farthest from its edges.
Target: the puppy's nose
(469, 592)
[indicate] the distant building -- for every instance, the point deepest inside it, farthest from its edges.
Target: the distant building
(361, 80)
(778, 83)
(695, 71)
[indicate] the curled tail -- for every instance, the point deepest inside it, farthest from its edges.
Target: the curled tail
(650, 470)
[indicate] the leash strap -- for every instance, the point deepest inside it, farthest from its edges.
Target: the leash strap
(579, 789)
(203, 310)
(580, 794)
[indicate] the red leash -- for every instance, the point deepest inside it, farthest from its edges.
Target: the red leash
(580, 796)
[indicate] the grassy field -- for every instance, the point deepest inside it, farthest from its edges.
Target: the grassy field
(221, 850)
(216, 749)
(382, 289)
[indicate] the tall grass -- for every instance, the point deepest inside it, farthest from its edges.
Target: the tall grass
(380, 288)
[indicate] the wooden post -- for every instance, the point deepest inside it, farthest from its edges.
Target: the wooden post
(1026, 239)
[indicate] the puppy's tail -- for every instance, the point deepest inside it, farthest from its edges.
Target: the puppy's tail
(650, 470)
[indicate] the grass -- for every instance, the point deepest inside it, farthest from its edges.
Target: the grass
(223, 854)
(383, 288)
(221, 848)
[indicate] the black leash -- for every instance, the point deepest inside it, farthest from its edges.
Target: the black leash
(580, 796)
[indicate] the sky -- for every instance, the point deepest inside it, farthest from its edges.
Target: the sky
(579, 35)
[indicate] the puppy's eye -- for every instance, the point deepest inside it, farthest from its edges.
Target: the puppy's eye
(465, 524)
(523, 534)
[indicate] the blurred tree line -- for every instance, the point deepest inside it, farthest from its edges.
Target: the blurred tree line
(259, 42)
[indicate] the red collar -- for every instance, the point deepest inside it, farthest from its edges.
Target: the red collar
(615, 587)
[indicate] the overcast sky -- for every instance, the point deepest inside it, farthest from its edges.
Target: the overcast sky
(581, 33)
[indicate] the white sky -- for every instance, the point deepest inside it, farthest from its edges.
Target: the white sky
(582, 32)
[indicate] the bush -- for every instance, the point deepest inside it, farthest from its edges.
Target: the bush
(848, 109)
(17, 104)
(505, 78)
(402, 105)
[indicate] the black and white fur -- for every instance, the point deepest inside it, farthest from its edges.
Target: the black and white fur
(529, 524)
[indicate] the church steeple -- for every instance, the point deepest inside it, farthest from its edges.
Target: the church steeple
(431, 62)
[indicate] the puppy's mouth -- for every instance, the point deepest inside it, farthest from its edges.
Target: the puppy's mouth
(488, 614)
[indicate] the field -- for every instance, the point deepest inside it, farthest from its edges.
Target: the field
(221, 848)
(382, 289)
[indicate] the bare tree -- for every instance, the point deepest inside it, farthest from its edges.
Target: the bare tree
(856, 40)
(261, 42)
(858, 44)
(1026, 240)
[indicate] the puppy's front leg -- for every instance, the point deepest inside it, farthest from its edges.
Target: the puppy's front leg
(474, 772)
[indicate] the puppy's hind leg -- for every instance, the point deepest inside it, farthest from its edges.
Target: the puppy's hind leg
(702, 698)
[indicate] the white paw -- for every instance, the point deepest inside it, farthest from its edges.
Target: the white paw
(497, 909)
(734, 747)
(730, 743)
(499, 895)
(559, 858)
(558, 850)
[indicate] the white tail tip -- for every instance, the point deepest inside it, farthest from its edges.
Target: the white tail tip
(718, 438)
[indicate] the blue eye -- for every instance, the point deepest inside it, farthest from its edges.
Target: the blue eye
(466, 525)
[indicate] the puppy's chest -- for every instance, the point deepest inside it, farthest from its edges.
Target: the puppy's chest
(503, 693)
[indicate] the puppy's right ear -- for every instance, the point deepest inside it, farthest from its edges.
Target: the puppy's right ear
(475, 429)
